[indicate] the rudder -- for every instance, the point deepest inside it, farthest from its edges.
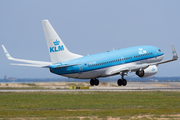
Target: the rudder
(57, 50)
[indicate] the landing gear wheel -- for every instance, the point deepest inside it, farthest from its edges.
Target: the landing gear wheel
(96, 82)
(92, 82)
(119, 82)
(124, 82)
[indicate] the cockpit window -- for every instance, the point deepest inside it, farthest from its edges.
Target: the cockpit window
(159, 50)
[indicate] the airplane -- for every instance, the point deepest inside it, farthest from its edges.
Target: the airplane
(143, 60)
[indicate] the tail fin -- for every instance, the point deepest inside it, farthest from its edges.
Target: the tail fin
(57, 50)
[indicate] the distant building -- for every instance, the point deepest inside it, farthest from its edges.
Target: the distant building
(10, 78)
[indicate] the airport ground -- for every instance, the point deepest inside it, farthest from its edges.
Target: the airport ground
(110, 86)
(144, 101)
(90, 105)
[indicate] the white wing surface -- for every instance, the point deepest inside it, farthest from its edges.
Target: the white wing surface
(32, 62)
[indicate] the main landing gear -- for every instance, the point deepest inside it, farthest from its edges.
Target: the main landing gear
(122, 81)
(94, 81)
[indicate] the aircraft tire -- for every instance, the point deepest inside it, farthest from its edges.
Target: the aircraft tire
(96, 82)
(119, 82)
(124, 82)
(92, 82)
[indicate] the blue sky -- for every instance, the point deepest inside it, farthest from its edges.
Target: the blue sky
(87, 27)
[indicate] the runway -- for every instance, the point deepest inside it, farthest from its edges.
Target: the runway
(131, 86)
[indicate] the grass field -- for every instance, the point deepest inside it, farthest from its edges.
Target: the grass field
(90, 105)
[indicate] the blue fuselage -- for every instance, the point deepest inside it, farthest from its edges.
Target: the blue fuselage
(107, 59)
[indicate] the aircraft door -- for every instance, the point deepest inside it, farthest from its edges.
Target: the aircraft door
(122, 60)
(80, 69)
(154, 50)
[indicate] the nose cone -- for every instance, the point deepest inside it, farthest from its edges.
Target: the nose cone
(161, 53)
(161, 57)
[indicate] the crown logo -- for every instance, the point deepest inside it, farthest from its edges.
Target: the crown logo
(56, 42)
(153, 69)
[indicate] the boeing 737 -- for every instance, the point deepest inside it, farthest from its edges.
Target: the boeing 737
(143, 60)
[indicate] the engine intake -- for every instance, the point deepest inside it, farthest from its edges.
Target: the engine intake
(140, 73)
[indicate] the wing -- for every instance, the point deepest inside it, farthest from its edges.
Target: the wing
(132, 68)
(32, 65)
(136, 67)
(32, 62)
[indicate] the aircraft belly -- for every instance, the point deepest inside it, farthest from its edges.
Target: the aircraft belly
(105, 72)
(87, 75)
(73, 75)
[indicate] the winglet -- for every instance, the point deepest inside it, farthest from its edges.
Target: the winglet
(175, 56)
(6, 52)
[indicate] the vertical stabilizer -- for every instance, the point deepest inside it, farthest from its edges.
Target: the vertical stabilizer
(57, 50)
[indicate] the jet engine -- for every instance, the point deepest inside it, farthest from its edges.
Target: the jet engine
(151, 70)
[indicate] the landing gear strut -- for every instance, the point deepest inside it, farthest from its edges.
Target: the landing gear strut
(122, 81)
(94, 81)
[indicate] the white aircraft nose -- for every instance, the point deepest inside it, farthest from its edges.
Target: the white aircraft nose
(162, 56)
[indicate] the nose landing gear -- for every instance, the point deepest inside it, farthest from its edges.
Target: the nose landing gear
(94, 81)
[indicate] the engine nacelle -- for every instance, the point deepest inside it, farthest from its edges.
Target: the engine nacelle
(151, 70)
